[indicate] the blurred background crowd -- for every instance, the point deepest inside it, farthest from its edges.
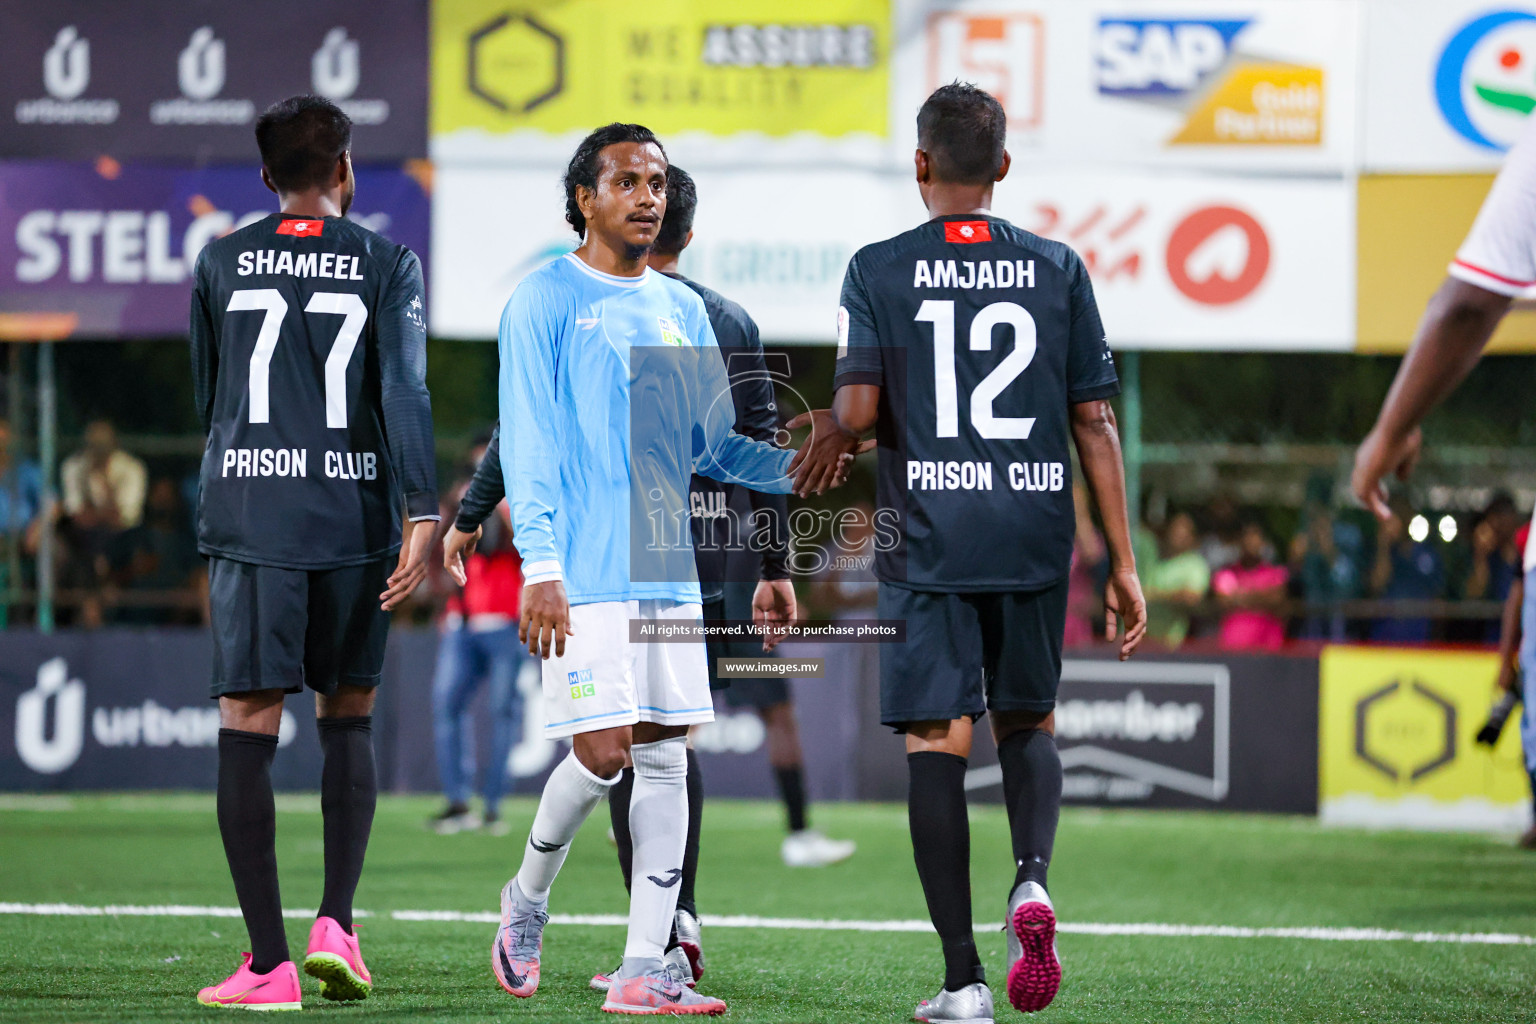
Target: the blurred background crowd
(1246, 540)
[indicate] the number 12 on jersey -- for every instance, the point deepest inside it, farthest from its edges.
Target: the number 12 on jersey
(345, 304)
(941, 313)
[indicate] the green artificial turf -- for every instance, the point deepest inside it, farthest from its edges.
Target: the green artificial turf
(1120, 867)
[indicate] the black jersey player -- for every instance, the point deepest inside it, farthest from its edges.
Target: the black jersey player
(975, 352)
(317, 508)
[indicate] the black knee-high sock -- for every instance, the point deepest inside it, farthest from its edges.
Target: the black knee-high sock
(349, 790)
(1032, 790)
(248, 825)
(941, 846)
(792, 789)
(618, 813)
(691, 848)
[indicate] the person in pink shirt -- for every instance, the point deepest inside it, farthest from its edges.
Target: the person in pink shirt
(1251, 592)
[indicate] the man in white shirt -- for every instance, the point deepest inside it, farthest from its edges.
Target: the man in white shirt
(103, 485)
(1495, 265)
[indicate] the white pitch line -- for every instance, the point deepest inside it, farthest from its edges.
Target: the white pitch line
(824, 925)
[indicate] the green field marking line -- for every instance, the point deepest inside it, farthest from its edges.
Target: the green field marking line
(1153, 930)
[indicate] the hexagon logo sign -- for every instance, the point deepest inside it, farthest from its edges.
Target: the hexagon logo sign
(515, 63)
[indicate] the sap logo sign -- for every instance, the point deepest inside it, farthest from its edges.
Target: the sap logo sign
(1161, 57)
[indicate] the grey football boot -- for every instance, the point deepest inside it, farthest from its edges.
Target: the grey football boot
(970, 1005)
(1034, 971)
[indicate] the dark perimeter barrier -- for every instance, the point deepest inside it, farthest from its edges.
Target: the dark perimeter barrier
(128, 709)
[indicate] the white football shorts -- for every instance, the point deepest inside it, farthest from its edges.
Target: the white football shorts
(605, 681)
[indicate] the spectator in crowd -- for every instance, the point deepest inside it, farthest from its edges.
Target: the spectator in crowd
(1495, 559)
(21, 489)
(1085, 585)
(103, 496)
(104, 486)
(1515, 686)
(1176, 583)
(1326, 564)
(478, 647)
(1251, 592)
(157, 558)
(1222, 543)
(1406, 570)
(21, 506)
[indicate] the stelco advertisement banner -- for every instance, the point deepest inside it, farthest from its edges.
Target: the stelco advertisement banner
(1396, 746)
(1448, 83)
(715, 80)
(1266, 85)
(1177, 261)
(109, 248)
(184, 80)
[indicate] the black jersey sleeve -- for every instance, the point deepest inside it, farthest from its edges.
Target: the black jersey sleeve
(406, 405)
(1090, 367)
(205, 347)
(858, 342)
(757, 417)
(486, 489)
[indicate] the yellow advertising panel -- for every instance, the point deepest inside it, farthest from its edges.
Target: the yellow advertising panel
(1409, 227)
(1396, 745)
(768, 68)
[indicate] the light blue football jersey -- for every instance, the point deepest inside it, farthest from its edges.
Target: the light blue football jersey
(612, 393)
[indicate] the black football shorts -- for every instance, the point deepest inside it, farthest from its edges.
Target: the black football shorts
(285, 629)
(965, 654)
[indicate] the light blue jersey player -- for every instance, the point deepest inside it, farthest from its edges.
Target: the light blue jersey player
(613, 393)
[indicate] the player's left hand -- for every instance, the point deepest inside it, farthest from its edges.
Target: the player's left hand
(827, 455)
(415, 547)
(1123, 601)
(1377, 457)
(773, 610)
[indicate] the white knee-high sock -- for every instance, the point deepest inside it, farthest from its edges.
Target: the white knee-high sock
(569, 796)
(658, 822)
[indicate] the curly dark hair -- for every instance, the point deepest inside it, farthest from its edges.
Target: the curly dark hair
(583, 167)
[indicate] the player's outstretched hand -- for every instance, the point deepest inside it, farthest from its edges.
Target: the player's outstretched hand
(458, 548)
(1123, 601)
(1377, 457)
(773, 610)
(415, 548)
(824, 459)
(546, 620)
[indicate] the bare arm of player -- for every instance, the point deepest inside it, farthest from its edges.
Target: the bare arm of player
(1456, 326)
(546, 619)
(416, 537)
(773, 610)
(1098, 447)
(823, 460)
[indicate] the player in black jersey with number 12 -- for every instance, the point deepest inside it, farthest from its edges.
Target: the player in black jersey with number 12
(317, 506)
(975, 352)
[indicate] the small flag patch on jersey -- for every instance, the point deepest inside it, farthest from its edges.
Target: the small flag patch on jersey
(301, 228)
(967, 231)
